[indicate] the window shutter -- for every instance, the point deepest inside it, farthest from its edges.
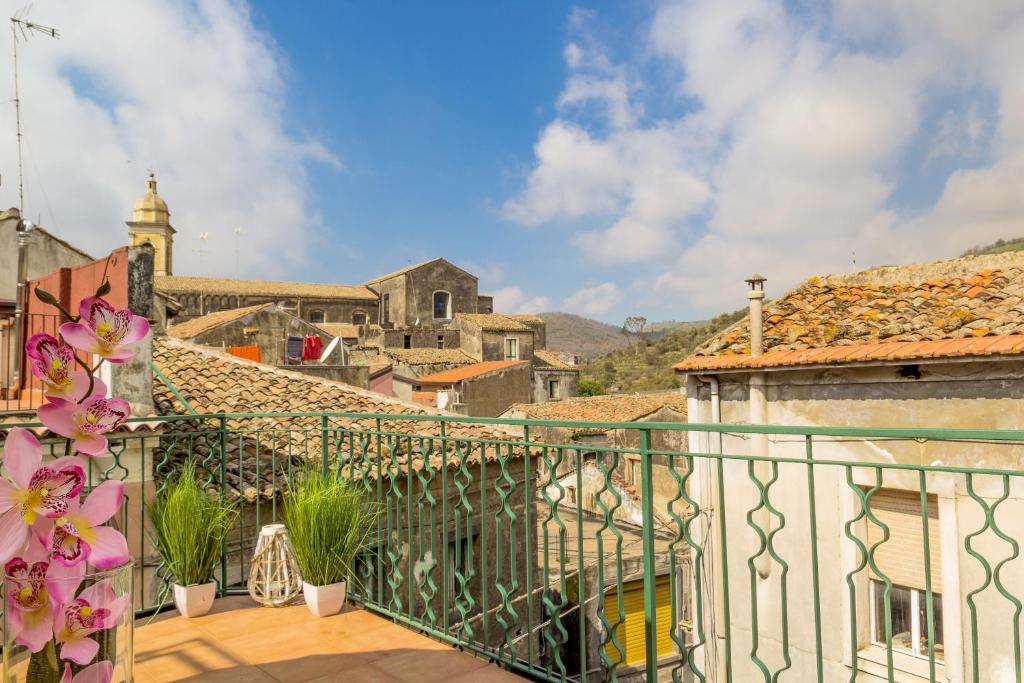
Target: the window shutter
(901, 558)
(631, 633)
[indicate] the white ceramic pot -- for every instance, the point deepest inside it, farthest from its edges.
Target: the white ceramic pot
(323, 601)
(195, 601)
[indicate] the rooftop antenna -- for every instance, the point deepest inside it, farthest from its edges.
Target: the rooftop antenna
(238, 233)
(24, 29)
(203, 236)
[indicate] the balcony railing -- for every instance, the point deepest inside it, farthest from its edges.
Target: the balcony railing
(606, 551)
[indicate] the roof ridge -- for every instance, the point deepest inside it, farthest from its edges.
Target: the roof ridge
(238, 313)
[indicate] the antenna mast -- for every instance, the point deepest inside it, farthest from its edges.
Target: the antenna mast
(25, 28)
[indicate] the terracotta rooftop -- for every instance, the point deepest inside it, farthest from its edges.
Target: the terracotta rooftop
(402, 271)
(191, 328)
(183, 283)
(550, 360)
(343, 330)
(526, 317)
(493, 322)
(429, 356)
(610, 408)
(212, 382)
(970, 306)
(474, 370)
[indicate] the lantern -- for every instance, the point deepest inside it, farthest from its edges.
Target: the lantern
(274, 577)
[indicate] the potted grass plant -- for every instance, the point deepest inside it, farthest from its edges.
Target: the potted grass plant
(189, 528)
(327, 522)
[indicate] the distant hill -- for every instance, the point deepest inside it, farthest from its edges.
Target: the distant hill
(997, 247)
(644, 367)
(583, 336)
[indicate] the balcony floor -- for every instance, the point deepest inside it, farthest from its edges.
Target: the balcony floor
(239, 641)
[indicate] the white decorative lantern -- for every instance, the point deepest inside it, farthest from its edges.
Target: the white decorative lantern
(274, 577)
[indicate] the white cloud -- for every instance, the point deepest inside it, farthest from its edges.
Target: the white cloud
(594, 301)
(515, 300)
(794, 137)
(190, 90)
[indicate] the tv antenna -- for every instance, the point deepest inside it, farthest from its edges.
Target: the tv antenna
(24, 29)
(203, 236)
(238, 234)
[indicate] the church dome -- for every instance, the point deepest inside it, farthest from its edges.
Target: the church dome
(150, 207)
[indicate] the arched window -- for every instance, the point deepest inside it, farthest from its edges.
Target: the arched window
(442, 305)
(358, 317)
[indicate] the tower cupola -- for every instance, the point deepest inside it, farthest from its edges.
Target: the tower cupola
(151, 222)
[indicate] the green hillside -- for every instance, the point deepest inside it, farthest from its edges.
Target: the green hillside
(648, 366)
(997, 247)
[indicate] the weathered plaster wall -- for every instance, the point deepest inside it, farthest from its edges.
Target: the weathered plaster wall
(492, 345)
(421, 284)
(984, 395)
(45, 253)
(491, 394)
(421, 338)
(568, 384)
(266, 328)
(335, 310)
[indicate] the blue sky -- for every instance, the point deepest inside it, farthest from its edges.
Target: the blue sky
(606, 159)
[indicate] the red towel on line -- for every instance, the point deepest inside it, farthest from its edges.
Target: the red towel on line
(312, 347)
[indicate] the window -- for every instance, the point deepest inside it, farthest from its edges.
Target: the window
(440, 341)
(553, 389)
(316, 316)
(442, 305)
(901, 559)
(359, 317)
(385, 308)
(511, 348)
(407, 341)
(630, 632)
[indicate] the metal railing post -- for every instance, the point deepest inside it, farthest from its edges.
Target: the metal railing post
(223, 429)
(324, 448)
(650, 594)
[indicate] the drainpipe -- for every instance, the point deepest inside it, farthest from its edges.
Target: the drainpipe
(758, 402)
(24, 230)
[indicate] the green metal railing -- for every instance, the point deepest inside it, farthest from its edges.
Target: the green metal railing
(605, 551)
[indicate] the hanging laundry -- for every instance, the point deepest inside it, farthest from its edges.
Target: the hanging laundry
(312, 347)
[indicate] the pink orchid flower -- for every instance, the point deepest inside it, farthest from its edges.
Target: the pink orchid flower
(95, 609)
(29, 490)
(53, 363)
(85, 423)
(100, 672)
(104, 331)
(77, 535)
(35, 588)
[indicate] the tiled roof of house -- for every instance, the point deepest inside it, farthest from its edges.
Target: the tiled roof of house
(191, 328)
(343, 330)
(429, 356)
(526, 317)
(183, 283)
(610, 408)
(212, 382)
(970, 306)
(550, 360)
(465, 372)
(493, 322)
(396, 273)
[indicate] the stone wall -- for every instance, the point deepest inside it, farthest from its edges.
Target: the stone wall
(422, 282)
(492, 345)
(568, 384)
(45, 254)
(491, 394)
(338, 310)
(421, 338)
(267, 328)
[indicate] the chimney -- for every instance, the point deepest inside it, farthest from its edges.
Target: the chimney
(755, 298)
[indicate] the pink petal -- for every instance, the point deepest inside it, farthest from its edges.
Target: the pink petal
(32, 345)
(66, 676)
(8, 497)
(22, 455)
(59, 418)
(36, 628)
(100, 594)
(118, 354)
(109, 548)
(62, 582)
(13, 531)
(137, 329)
(103, 502)
(68, 461)
(95, 309)
(81, 337)
(80, 651)
(90, 444)
(100, 672)
(75, 391)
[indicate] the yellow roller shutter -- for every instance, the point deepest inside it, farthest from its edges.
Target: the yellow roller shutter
(630, 633)
(901, 558)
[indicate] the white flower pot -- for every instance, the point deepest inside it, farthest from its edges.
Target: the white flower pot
(195, 601)
(323, 601)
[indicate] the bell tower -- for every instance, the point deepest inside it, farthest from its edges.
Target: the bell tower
(151, 222)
